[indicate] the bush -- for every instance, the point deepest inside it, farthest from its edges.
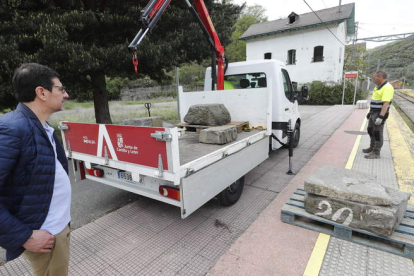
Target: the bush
(114, 86)
(323, 93)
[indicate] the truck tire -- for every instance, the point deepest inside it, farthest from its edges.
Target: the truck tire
(296, 135)
(232, 193)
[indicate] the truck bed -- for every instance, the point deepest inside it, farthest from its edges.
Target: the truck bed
(191, 149)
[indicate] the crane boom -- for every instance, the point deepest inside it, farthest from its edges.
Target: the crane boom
(152, 13)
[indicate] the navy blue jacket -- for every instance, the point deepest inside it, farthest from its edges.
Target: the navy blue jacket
(27, 176)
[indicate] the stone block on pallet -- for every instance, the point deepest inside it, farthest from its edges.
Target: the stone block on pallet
(380, 220)
(354, 199)
(347, 184)
(218, 135)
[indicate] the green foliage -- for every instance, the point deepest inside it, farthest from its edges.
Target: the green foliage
(322, 93)
(114, 86)
(355, 59)
(192, 73)
(87, 39)
(395, 58)
(236, 50)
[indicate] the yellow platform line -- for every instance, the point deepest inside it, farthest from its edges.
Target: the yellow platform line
(318, 253)
(317, 256)
(353, 154)
(403, 161)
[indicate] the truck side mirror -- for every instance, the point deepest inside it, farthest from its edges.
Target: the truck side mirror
(302, 95)
(304, 91)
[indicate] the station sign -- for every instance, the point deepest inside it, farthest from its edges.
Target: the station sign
(351, 75)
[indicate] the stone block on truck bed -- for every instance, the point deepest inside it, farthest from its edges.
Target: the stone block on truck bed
(218, 135)
(208, 115)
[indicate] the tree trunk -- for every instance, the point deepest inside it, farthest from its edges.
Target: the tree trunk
(100, 98)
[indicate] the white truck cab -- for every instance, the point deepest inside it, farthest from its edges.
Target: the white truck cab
(271, 74)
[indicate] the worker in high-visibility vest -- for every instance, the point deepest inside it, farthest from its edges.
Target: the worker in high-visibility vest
(379, 110)
(228, 85)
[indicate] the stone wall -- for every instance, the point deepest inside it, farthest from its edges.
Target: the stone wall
(131, 93)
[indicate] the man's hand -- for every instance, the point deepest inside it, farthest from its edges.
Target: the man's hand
(379, 120)
(41, 241)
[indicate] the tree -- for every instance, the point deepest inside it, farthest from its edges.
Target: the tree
(355, 59)
(86, 41)
(236, 51)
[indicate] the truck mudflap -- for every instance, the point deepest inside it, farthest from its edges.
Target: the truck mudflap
(142, 150)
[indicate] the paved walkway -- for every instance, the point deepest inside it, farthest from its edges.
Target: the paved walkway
(271, 247)
(149, 237)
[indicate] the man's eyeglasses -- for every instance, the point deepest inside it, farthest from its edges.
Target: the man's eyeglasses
(61, 89)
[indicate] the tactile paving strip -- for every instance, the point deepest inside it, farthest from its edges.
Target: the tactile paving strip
(347, 258)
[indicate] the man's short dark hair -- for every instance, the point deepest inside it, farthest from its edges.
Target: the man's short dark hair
(29, 76)
(381, 74)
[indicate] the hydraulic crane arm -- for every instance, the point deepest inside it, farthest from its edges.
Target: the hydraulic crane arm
(152, 13)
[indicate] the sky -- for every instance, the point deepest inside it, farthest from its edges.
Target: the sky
(375, 17)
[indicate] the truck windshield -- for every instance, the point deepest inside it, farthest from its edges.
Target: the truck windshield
(245, 81)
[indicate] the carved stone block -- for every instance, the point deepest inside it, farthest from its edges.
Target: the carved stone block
(208, 115)
(380, 220)
(218, 135)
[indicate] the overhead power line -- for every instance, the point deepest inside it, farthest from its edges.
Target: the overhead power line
(386, 37)
(324, 23)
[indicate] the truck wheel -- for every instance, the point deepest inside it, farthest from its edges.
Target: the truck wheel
(296, 135)
(232, 193)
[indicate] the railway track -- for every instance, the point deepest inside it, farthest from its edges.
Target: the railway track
(406, 104)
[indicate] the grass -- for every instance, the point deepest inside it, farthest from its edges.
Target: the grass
(148, 101)
(74, 105)
(119, 111)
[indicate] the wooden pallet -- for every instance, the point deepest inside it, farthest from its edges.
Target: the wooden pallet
(401, 242)
(197, 128)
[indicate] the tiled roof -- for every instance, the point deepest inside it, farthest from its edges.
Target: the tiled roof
(305, 20)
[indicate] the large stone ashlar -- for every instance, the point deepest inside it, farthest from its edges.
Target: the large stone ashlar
(218, 135)
(354, 199)
(208, 115)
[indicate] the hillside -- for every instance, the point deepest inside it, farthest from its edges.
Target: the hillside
(396, 59)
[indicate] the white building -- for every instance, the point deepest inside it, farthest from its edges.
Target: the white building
(309, 49)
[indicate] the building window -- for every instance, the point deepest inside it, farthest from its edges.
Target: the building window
(318, 54)
(293, 17)
(291, 57)
(268, 56)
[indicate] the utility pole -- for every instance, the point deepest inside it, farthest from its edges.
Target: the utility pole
(378, 65)
(339, 11)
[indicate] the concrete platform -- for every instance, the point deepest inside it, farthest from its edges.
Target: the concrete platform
(149, 238)
(273, 248)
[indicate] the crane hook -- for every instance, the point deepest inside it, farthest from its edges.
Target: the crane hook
(135, 61)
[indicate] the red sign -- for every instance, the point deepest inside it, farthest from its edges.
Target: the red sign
(351, 75)
(123, 143)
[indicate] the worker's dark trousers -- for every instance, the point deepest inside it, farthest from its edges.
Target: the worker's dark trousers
(376, 133)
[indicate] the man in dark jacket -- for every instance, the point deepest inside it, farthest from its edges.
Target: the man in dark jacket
(35, 190)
